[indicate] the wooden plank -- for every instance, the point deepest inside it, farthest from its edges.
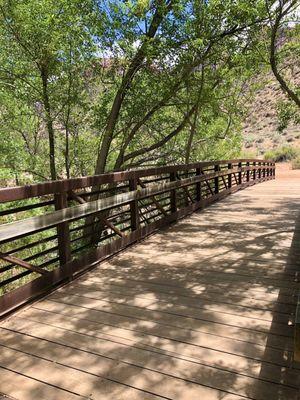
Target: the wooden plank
(247, 303)
(203, 341)
(190, 308)
(188, 318)
(21, 386)
(286, 286)
(222, 304)
(147, 359)
(228, 340)
(88, 371)
(213, 288)
(77, 381)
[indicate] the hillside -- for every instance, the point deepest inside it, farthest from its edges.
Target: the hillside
(260, 128)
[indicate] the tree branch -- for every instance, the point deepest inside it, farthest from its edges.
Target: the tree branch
(281, 13)
(163, 141)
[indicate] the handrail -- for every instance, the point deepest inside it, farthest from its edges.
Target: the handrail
(49, 237)
(48, 220)
(49, 187)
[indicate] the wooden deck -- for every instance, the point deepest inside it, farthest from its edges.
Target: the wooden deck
(202, 310)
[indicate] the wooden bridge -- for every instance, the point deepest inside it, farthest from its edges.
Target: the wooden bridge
(204, 308)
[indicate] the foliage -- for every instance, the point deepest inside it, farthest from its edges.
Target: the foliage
(285, 153)
(248, 154)
(287, 112)
(44, 46)
(89, 86)
(296, 163)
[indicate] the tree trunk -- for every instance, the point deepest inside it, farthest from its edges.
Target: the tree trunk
(67, 138)
(49, 124)
(136, 63)
(190, 139)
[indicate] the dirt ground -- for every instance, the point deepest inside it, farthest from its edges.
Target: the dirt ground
(284, 170)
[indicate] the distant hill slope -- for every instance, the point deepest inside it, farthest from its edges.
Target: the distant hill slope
(260, 127)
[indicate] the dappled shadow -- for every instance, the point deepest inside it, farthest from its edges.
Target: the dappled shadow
(202, 309)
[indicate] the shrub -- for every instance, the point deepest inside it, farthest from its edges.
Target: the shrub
(248, 154)
(285, 153)
(296, 163)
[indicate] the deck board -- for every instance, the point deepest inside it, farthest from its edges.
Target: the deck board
(203, 309)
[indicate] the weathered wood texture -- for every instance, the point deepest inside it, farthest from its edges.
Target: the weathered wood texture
(81, 221)
(203, 309)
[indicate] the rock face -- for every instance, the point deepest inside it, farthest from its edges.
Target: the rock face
(261, 126)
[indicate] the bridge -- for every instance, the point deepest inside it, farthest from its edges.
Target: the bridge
(162, 283)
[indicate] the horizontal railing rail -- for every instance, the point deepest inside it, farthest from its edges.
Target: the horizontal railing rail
(54, 230)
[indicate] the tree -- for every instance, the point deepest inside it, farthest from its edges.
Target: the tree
(43, 46)
(170, 51)
(284, 43)
(116, 85)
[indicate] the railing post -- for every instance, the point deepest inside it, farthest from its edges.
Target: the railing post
(63, 233)
(198, 185)
(217, 169)
(240, 173)
(173, 194)
(186, 196)
(254, 170)
(248, 172)
(259, 170)
(229, 176)
(134, 207)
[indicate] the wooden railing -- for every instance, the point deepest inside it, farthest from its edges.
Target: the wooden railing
(55, 230)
